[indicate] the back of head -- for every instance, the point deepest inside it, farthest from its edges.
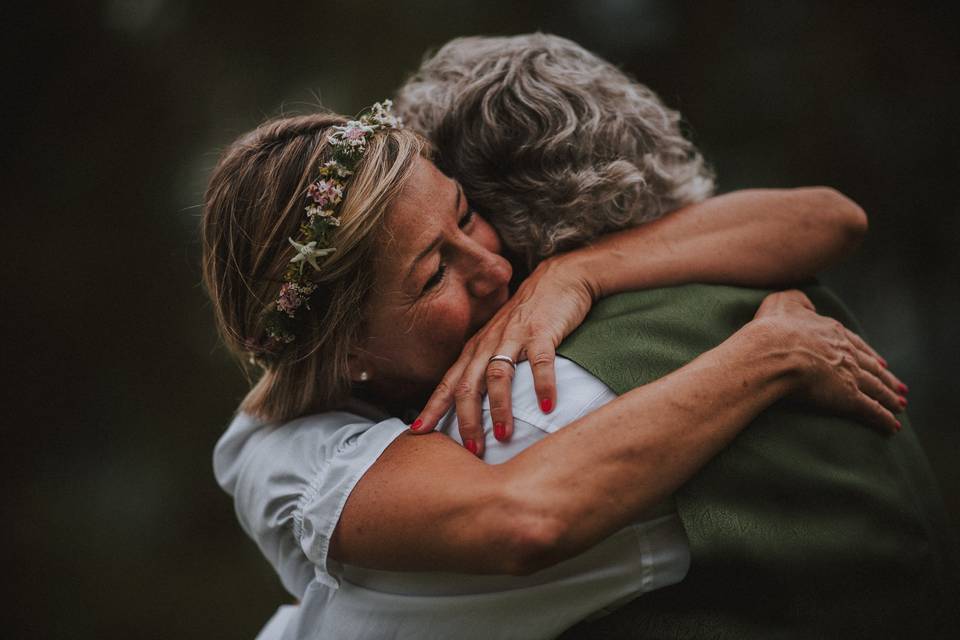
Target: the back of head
(553, 144)
(253, 206)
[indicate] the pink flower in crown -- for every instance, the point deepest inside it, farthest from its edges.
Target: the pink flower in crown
(290, 299)
(354, 132)
(315, 193)
(325, 192)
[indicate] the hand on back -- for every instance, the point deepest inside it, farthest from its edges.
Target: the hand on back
(838, 371)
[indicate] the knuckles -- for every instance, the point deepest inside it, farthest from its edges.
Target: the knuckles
(464, 390)
(497, 404)
(443, 390)
(498, 371)
(544, 357)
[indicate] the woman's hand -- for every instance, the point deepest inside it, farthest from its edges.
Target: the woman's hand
(547, 307)
(838, 371)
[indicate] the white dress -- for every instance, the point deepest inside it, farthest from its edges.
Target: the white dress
(290, 483)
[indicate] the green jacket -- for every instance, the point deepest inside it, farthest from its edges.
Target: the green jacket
(807, 526)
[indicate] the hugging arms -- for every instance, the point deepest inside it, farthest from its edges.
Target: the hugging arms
(437, 273)
(528, 513)
(752, 238)
(325, 495)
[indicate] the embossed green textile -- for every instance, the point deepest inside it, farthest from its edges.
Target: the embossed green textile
(807, 526)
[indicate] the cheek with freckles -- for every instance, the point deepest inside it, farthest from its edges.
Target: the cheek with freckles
(442, 328)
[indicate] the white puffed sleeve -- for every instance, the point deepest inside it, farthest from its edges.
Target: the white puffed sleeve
(290, 483)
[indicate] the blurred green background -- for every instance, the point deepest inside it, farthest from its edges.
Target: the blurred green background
(116, 387)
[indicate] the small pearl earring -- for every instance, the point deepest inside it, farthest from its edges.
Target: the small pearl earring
(364, 376)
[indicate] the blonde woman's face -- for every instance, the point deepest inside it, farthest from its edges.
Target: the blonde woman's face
(439, 278)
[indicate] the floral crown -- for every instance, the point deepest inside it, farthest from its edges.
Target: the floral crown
(348, 143)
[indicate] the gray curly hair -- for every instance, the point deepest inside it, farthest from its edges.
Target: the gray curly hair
(554, 145)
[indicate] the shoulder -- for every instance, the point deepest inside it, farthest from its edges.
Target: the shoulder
(289, 481)
(262, 459)
(251, 442)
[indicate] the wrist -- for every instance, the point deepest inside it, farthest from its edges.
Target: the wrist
(578, 268)
(774, 349)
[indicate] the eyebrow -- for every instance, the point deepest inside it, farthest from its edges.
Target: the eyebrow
(433, 245)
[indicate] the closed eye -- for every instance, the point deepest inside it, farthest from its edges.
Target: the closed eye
(465, 221)
(436, 278)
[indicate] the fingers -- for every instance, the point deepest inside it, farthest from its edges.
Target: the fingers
(499, 378)
(875, 414)
(882, 371)
(542, 356)
(888, 385)
(436, 407)
(879, 398)
(861, 344)
(443, 396)
(468, 396)
(876, 389)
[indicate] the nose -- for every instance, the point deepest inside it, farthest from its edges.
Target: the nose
(488, 272)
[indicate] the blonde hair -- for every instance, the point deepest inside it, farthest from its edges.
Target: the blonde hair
(254, 202)
(554, 145)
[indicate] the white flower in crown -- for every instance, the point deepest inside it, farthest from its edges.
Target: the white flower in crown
(313, 211)
(309, 252)
(353, 134)
(380, 114)
(334, 168)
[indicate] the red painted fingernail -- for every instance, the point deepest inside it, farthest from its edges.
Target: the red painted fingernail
(903, 401)
(883, 363)
(899, 426)
(546, 404)
(499, 431)
(903, 388)
(470, 445)
(417, 424)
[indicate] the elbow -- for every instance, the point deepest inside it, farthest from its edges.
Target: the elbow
(841, 215)
(534, 529)
(533, 543)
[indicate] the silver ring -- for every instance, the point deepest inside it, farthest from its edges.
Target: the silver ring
(503, 358)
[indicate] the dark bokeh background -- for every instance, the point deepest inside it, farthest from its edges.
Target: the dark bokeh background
(116, 388)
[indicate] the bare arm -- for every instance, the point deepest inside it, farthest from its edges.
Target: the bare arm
(565, 493)
(758, 237)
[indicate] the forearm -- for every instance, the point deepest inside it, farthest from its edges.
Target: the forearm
(601, 472)
(758, 237)
(427, 505)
